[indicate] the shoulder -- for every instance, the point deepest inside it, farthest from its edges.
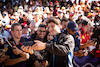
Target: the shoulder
(68, 36)
(33, 36)
(77, 34)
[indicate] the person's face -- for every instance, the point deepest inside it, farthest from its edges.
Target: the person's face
(17, 32)
(36, 17)
(70, 31)
(79, 25)
(25, 31)
(64, 24)
(80, 17)
(71, 18)
(12, 20)
(53, 28)
(48, 16)
(40, 4)
(51, 4)
(60, 15)
(41, 32)
(25, 18)
(88, 27)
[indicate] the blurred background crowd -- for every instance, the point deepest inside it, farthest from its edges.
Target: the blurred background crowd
(31, 13)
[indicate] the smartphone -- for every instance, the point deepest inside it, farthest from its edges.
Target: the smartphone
(29, 43)
(94, 39)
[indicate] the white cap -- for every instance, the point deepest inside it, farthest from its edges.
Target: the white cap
(20, 7)
(79, 15)
(35, 13)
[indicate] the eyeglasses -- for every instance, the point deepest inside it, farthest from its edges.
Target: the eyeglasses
(42, 31)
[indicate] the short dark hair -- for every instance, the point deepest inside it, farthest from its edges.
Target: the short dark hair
(42, 25)
(14, 24)
(54, 20)
(64, 19)
(84, 22)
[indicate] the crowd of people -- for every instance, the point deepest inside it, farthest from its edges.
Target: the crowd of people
(46, 33)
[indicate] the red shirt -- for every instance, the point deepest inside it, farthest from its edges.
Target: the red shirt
(97, 53)
(25, 23)
(84, 36)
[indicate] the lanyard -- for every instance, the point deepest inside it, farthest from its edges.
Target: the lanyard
(14, 44)
(55, 39)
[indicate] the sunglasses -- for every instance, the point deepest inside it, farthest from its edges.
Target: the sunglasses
(4, 14)
(12, 19)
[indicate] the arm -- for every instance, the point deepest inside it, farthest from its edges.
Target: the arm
(88, 43)
(35, 55)
(77, 42)
(84, 45)
(61, 49)
(9, 61)
(24, 57)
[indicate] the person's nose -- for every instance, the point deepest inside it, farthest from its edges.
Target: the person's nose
(50, 29)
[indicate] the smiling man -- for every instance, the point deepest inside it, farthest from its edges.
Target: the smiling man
(40, 34)
(59, 47)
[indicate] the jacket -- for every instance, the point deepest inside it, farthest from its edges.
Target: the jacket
(58, 50)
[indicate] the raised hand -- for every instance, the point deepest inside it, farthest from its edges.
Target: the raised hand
(17, 51)
(25, 56)
(38, 45)
(27, 49)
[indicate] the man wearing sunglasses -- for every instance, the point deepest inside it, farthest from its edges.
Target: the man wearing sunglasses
(12, 20)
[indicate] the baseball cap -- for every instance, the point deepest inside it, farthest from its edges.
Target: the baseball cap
(34, 13)
(72, 25)
(90, 14)
(40, 1)
(63, 8)
(50, 3)
(7, 26)
(79, 15)
(56, 1)
(71, 15)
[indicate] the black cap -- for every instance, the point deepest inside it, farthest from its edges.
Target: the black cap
(72, 25)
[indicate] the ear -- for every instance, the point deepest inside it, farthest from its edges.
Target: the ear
(11, 32)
